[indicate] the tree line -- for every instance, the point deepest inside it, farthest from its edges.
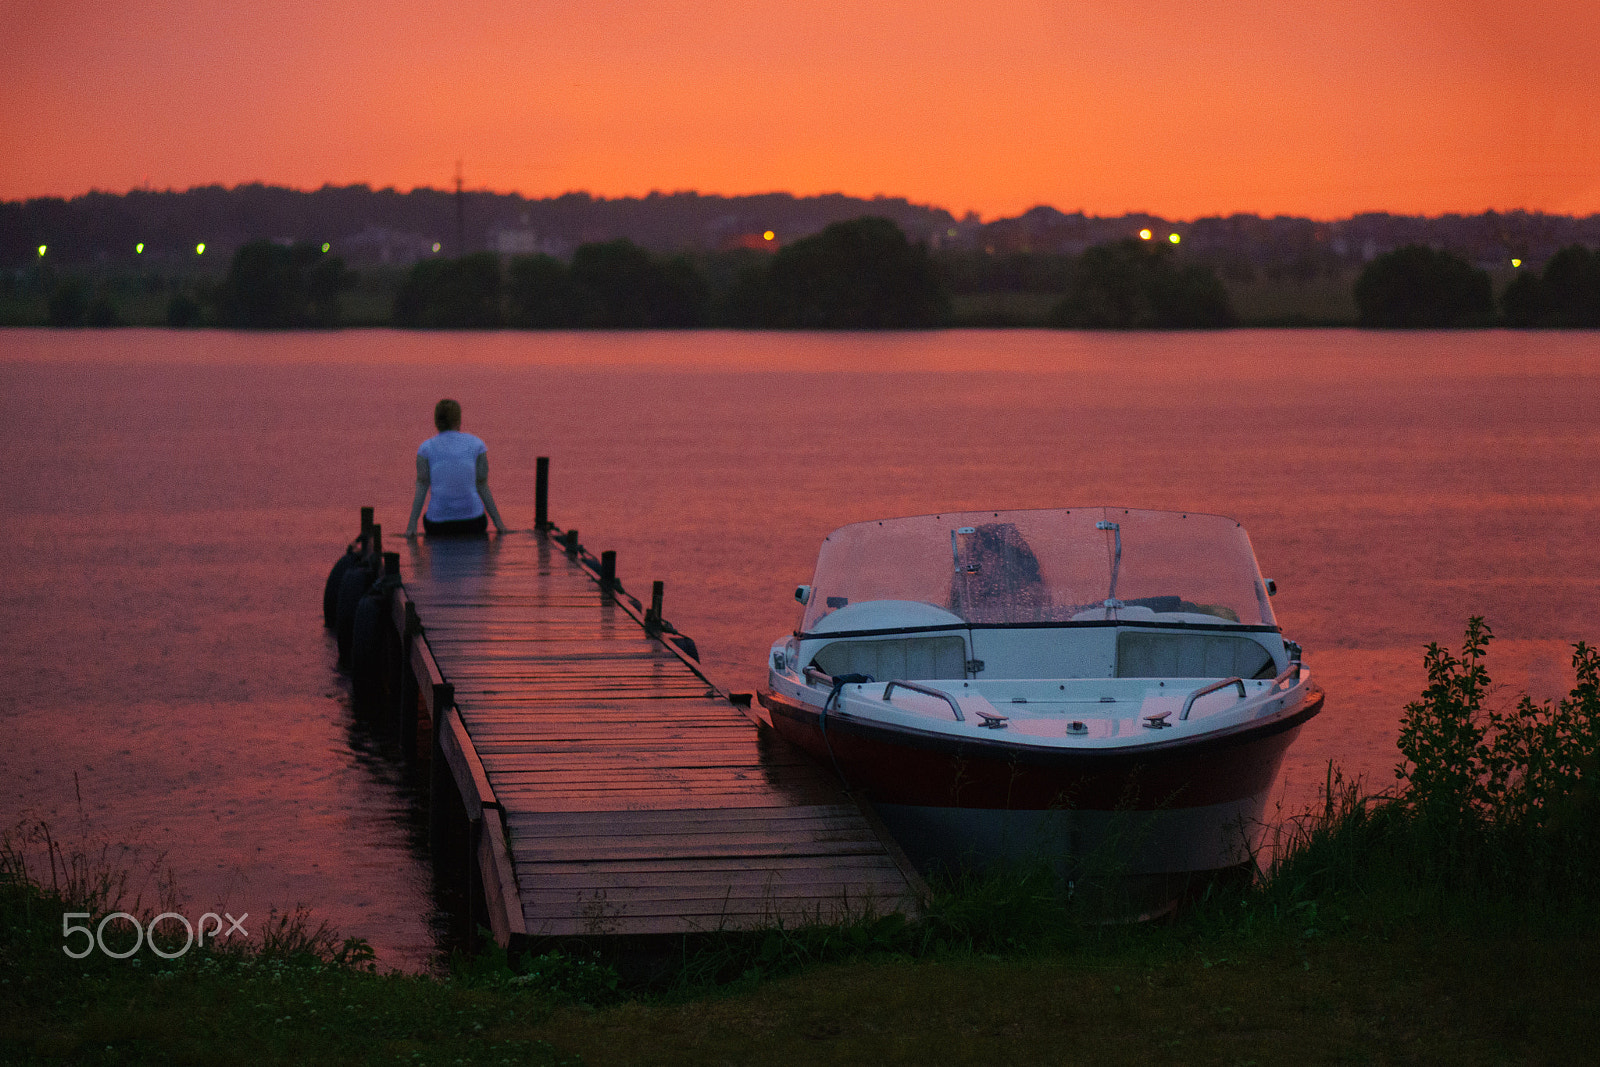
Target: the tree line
(158, 230)
(859, 274)
(863, 273)
(1422, 287)
(103, 227)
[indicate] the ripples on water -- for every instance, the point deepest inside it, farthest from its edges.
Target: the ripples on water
(174, 501)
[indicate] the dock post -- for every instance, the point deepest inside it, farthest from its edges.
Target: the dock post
(366, 523)
(652, 617)
(443, 697)
(608, 571)
(450, 829)
(375, 545)
(409, 690)
(541, 494)
(476, 908)
(392, 654)
(572, 545)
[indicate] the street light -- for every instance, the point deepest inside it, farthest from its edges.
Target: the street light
(41, 250)
(1144, 235)
(1174, 238)
(200, 249)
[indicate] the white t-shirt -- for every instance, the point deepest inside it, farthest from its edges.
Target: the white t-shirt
(453, 475)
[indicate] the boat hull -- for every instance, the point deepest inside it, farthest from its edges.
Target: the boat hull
(1159, 808)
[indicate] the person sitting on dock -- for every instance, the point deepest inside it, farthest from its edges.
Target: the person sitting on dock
(454, 467)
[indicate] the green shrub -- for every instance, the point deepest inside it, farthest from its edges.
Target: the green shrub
(68, 304)
(1496, 811)
(1567, 293)
(1417, 286)
(1135, 284)
(619, 285)
(451, 293)
(276, 286)
(862, 274)
(1471, 766)
(183, 311)
(569, 978)
(102, 312)
(540, 294)
(1442, 733)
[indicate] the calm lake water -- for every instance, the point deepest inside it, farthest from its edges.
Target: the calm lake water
(174, 501)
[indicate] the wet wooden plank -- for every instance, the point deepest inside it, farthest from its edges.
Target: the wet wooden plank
(576, 796)
(703, 880)
(749, 894)
(708, 849)
(684, 835)
(503, 897)
(633, 778)
(578, 744)
(642, 925)
(524, 760)
(794, 884)
(742, 822)
(508, 764)
(545, 821)
(661, 801)
(804, 866)
(825, 902)
(609, 736)
(471, 779)
(641, 781)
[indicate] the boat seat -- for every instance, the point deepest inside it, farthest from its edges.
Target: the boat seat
(1166, 655)
(899, 657)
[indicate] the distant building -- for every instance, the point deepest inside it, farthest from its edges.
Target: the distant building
(765, 241)
(514, 242)
(524, 241)
(386, 247)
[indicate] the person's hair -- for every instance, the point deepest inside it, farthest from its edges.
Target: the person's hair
(447, 415)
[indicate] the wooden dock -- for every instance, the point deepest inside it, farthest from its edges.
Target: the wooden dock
(607, 787)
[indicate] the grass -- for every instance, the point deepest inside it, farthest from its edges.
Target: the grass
(1323, 300)
(1263, 301)
(371, 302)
(1438, 922)
(1369, 997)
(1307, 987)
(983, 310)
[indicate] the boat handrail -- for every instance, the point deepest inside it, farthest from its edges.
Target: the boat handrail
(1291, 671)
(927, 691)
(814, 675)
(1212, 688)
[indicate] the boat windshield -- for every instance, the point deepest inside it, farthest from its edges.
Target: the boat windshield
(1057, 565)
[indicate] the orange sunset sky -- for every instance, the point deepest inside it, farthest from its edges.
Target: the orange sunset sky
(1309, 107)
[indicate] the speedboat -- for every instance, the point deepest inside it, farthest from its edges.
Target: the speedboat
(1067, 684)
